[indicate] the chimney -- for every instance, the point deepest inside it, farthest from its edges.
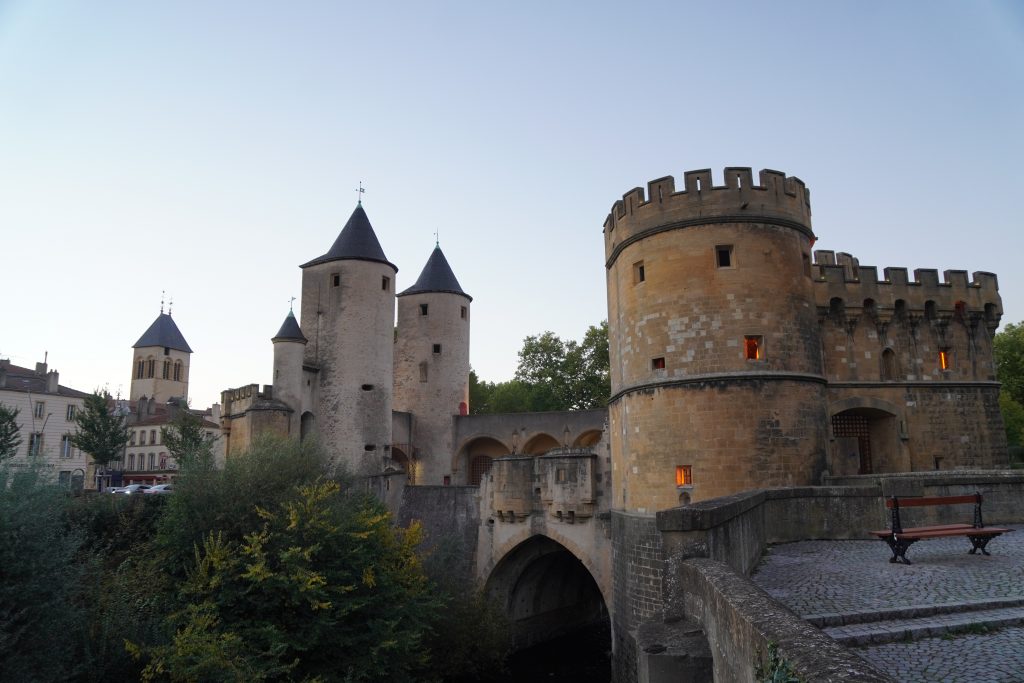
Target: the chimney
(52, 385)
(41, 368)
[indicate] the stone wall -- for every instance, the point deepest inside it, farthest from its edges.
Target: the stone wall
(450, 516)
(637, 570)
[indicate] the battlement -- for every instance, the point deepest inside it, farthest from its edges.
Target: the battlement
(840, 281)
(775, 199)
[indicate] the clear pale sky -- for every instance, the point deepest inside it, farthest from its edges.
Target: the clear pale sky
(209, 148)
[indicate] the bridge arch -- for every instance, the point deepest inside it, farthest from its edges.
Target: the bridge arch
(546, 588)
(539, 444)
(473, 458)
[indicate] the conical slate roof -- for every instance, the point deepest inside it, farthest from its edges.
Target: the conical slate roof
(356, 241)
(437, 276)
(163, 332)
(290, 330)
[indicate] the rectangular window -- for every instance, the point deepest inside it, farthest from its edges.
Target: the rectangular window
(163, 461)
(131, 461)
(385, 283)
(945, 359)
(437, 348)
(423, 309)
(639, 273)
(753, 347)
(35, 443)
(152, 461)
(140, 371)
(336, 280)
(684, 475)
(723, 255)
(40, 407)
(71, 412)
(658, 363)
(142, 437)
(65, 446)
(131, 441)
(152, 436)
(463, 313)
(560, 475)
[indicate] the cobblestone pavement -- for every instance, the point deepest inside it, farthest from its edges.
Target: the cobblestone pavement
(852, 591)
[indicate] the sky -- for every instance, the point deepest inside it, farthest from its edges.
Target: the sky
(206, 149)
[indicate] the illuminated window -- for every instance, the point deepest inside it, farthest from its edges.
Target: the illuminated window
(753, 347)
(639, 274)
(684, 475)
(658, 363)
(945, 359)
(723, 255)
(560, 475)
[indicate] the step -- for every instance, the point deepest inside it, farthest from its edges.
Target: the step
(929, 626)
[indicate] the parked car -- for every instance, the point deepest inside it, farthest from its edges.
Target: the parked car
(114, 489)
(133, 489)
(160, 489)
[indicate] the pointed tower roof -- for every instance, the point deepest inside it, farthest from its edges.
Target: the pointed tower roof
(290, 330)
(356, 241)
(437, 276)
(163, 332)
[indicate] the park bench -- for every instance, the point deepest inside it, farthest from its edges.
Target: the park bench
(900, 539)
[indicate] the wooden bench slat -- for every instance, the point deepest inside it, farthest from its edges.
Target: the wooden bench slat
(984, 531)
(933, 500)
(941, 527)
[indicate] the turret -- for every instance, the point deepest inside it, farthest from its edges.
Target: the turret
(161, 362)
(348, 312)
(432, 368)
(289, 350)
(716, 361)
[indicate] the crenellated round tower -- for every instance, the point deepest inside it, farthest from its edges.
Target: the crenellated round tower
(348, 314)
(432, 368)
(716, 360)
(289, 353)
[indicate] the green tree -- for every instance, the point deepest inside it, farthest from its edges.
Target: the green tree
(187, 441)
(324, 588)
(1008, 349)
(566, 375)
(99, 431)
(10, 439)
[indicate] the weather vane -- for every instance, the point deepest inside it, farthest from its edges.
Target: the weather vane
(437, 240)
(360, 191)
(162, 294)
(170, 305)
(290, 302)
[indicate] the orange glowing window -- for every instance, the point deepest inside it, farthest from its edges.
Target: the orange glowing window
(684, 476)
(753, 347)
(658, 363)
(944, 359)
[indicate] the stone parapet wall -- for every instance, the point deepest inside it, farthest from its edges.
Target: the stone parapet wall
(637, 570)
(741, 620)
(450, 517)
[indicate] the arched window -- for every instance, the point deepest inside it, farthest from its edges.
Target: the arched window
(167, 369)
(177, 371)
(140, 368)
(150, 368)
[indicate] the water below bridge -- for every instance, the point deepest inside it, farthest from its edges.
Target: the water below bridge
(583, 656)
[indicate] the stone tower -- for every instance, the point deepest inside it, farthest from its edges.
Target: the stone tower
(289, 379)
(348, 315)
(716, 361)
(161, 360)
(432, 366)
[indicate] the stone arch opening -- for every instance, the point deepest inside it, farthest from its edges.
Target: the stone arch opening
(866, 441)
(477, 456)
(546, 591)
(540, 444)
(404, 463)
(587, 439)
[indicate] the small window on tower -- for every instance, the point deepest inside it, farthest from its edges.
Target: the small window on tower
(945, 359)
(753, 347)
(336, 280)
(639, 273)
(423, 309)
(723, 255)
(684, 475)
(385, 283)
(462, 313)
(437, 348)
(658, 363)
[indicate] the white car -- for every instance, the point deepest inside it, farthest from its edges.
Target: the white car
(133, 489)
(160, 489)
(113, 489)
